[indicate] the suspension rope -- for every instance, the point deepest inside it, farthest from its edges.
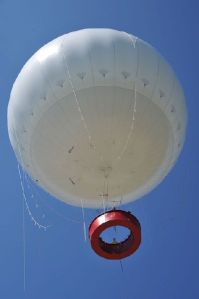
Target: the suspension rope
(20, 171)
(32, 189)
(126, 143)
(24, 245)
(84, 222)
(36, 223)
(82, 117)
(133, 103)
(121, 265)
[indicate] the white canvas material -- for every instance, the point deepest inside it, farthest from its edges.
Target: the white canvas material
(97, 115)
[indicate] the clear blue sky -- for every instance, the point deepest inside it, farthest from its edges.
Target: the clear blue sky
(59, 264)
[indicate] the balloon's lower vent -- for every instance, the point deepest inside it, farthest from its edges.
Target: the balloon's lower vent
(117, 249)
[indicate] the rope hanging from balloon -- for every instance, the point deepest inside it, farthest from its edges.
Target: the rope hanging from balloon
(126, 143)
(133, 109)
(36, 223)
(69, 77)
(83, 119)
(133, 103)
(26, 181)
(90, 140)
(33, 190)
(20, 171)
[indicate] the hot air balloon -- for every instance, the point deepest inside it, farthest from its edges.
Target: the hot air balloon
(97, 118)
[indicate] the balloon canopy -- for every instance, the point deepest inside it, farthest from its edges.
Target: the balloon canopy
(97, 116)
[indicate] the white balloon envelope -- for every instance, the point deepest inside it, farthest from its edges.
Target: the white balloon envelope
(97, 115)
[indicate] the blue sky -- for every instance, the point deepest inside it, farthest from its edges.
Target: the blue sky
(59, 263)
